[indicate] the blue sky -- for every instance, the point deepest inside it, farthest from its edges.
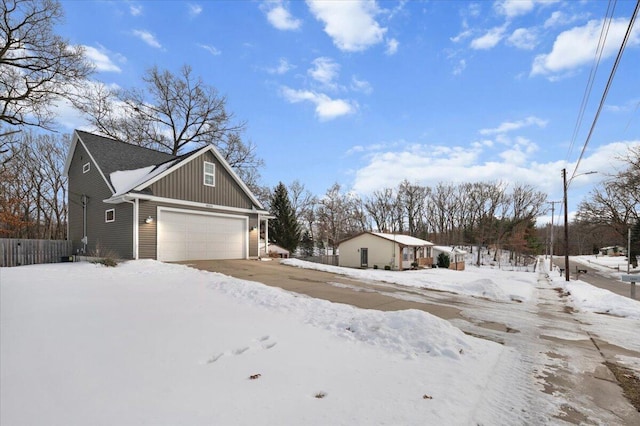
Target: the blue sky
(368, 93)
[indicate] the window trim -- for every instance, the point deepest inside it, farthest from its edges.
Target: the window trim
(86, 167)
(212, 174)
(106, 215)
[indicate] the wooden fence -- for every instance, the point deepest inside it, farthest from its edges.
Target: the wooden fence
(17, 252)
(325, 259)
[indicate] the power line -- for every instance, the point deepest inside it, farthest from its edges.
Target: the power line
(604, 32)
(608, 85)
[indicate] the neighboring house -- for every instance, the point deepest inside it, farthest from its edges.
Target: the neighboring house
(377, 249)
(137, 203)
(273, 250)
(456, 256)
(613, 251)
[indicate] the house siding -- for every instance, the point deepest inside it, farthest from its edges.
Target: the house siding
(381, 252)
(187, 183)
(117, 235)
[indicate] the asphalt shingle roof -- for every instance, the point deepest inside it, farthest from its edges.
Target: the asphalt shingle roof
(112, 155)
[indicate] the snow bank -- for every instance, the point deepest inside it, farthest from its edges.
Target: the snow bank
(497, 285)
(153, 343)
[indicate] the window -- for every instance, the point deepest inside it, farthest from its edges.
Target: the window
(110, 215)
(86, 168)
(209, 174)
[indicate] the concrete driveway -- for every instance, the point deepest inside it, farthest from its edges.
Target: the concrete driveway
(323, 285)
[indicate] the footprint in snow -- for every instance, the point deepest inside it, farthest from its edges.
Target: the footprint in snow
(240, 351)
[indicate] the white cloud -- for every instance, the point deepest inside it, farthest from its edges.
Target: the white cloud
(326, 108)
(325, 71)
(389, 166)
(559, 18)
(361, 85)
(148, 38)
(211, 49)
(279, 16)
(509, 126)
(524, 38)
(283, 67)
(195, 9)
(350, 24)
(577, 46)
(631, 105)
(392, 46)
(135, 9)
(100, 59)
(489, 39)
(463, 35)
(513, 8)
(460, 66)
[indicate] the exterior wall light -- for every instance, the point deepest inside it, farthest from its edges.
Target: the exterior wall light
(149, 219)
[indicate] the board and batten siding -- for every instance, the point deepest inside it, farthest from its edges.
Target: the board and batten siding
(187, 183)
(148, 232)
(117, 236)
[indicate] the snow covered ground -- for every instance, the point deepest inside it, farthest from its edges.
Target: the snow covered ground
(609, 265)
(161, 344)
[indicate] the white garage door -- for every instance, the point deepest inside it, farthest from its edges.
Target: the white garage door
(192, 236)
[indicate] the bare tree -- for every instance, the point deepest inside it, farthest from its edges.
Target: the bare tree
(172, 113)
(33, 190)
(339, 215)
(36, 65)
(380, 207)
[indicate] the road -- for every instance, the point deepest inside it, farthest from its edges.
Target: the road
(595, 277)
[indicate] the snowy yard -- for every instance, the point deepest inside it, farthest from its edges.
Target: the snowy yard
(161, 344)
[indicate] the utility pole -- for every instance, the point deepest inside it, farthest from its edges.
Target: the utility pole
(553, 206)
(566, 226)
(629, 251)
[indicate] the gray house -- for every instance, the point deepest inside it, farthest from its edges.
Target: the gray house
(137, 203)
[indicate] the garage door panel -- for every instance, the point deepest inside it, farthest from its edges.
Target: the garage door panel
(189, 236)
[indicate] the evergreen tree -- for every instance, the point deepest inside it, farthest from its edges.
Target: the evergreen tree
(284, 230)
(443, 260)
(306, 244)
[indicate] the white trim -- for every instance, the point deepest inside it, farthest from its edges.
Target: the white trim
(147, 197)
(160, 209)
(86, 167)
(106, 213)
(212, 174)
(136, 229)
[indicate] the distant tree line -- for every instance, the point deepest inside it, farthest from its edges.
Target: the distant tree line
(488, 214)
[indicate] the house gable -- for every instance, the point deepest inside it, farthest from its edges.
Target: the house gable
(185, 181)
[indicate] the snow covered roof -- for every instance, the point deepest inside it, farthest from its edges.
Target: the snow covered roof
(448, 249)
(405, 240)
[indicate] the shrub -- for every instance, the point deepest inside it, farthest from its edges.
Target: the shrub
(387, 267)
(107, 261)
(375, 266)
(443, 260)
(104, 257)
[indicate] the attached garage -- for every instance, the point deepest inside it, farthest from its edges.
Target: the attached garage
(193, 235)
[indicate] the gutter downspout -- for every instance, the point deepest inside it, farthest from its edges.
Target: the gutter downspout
(84, 224)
